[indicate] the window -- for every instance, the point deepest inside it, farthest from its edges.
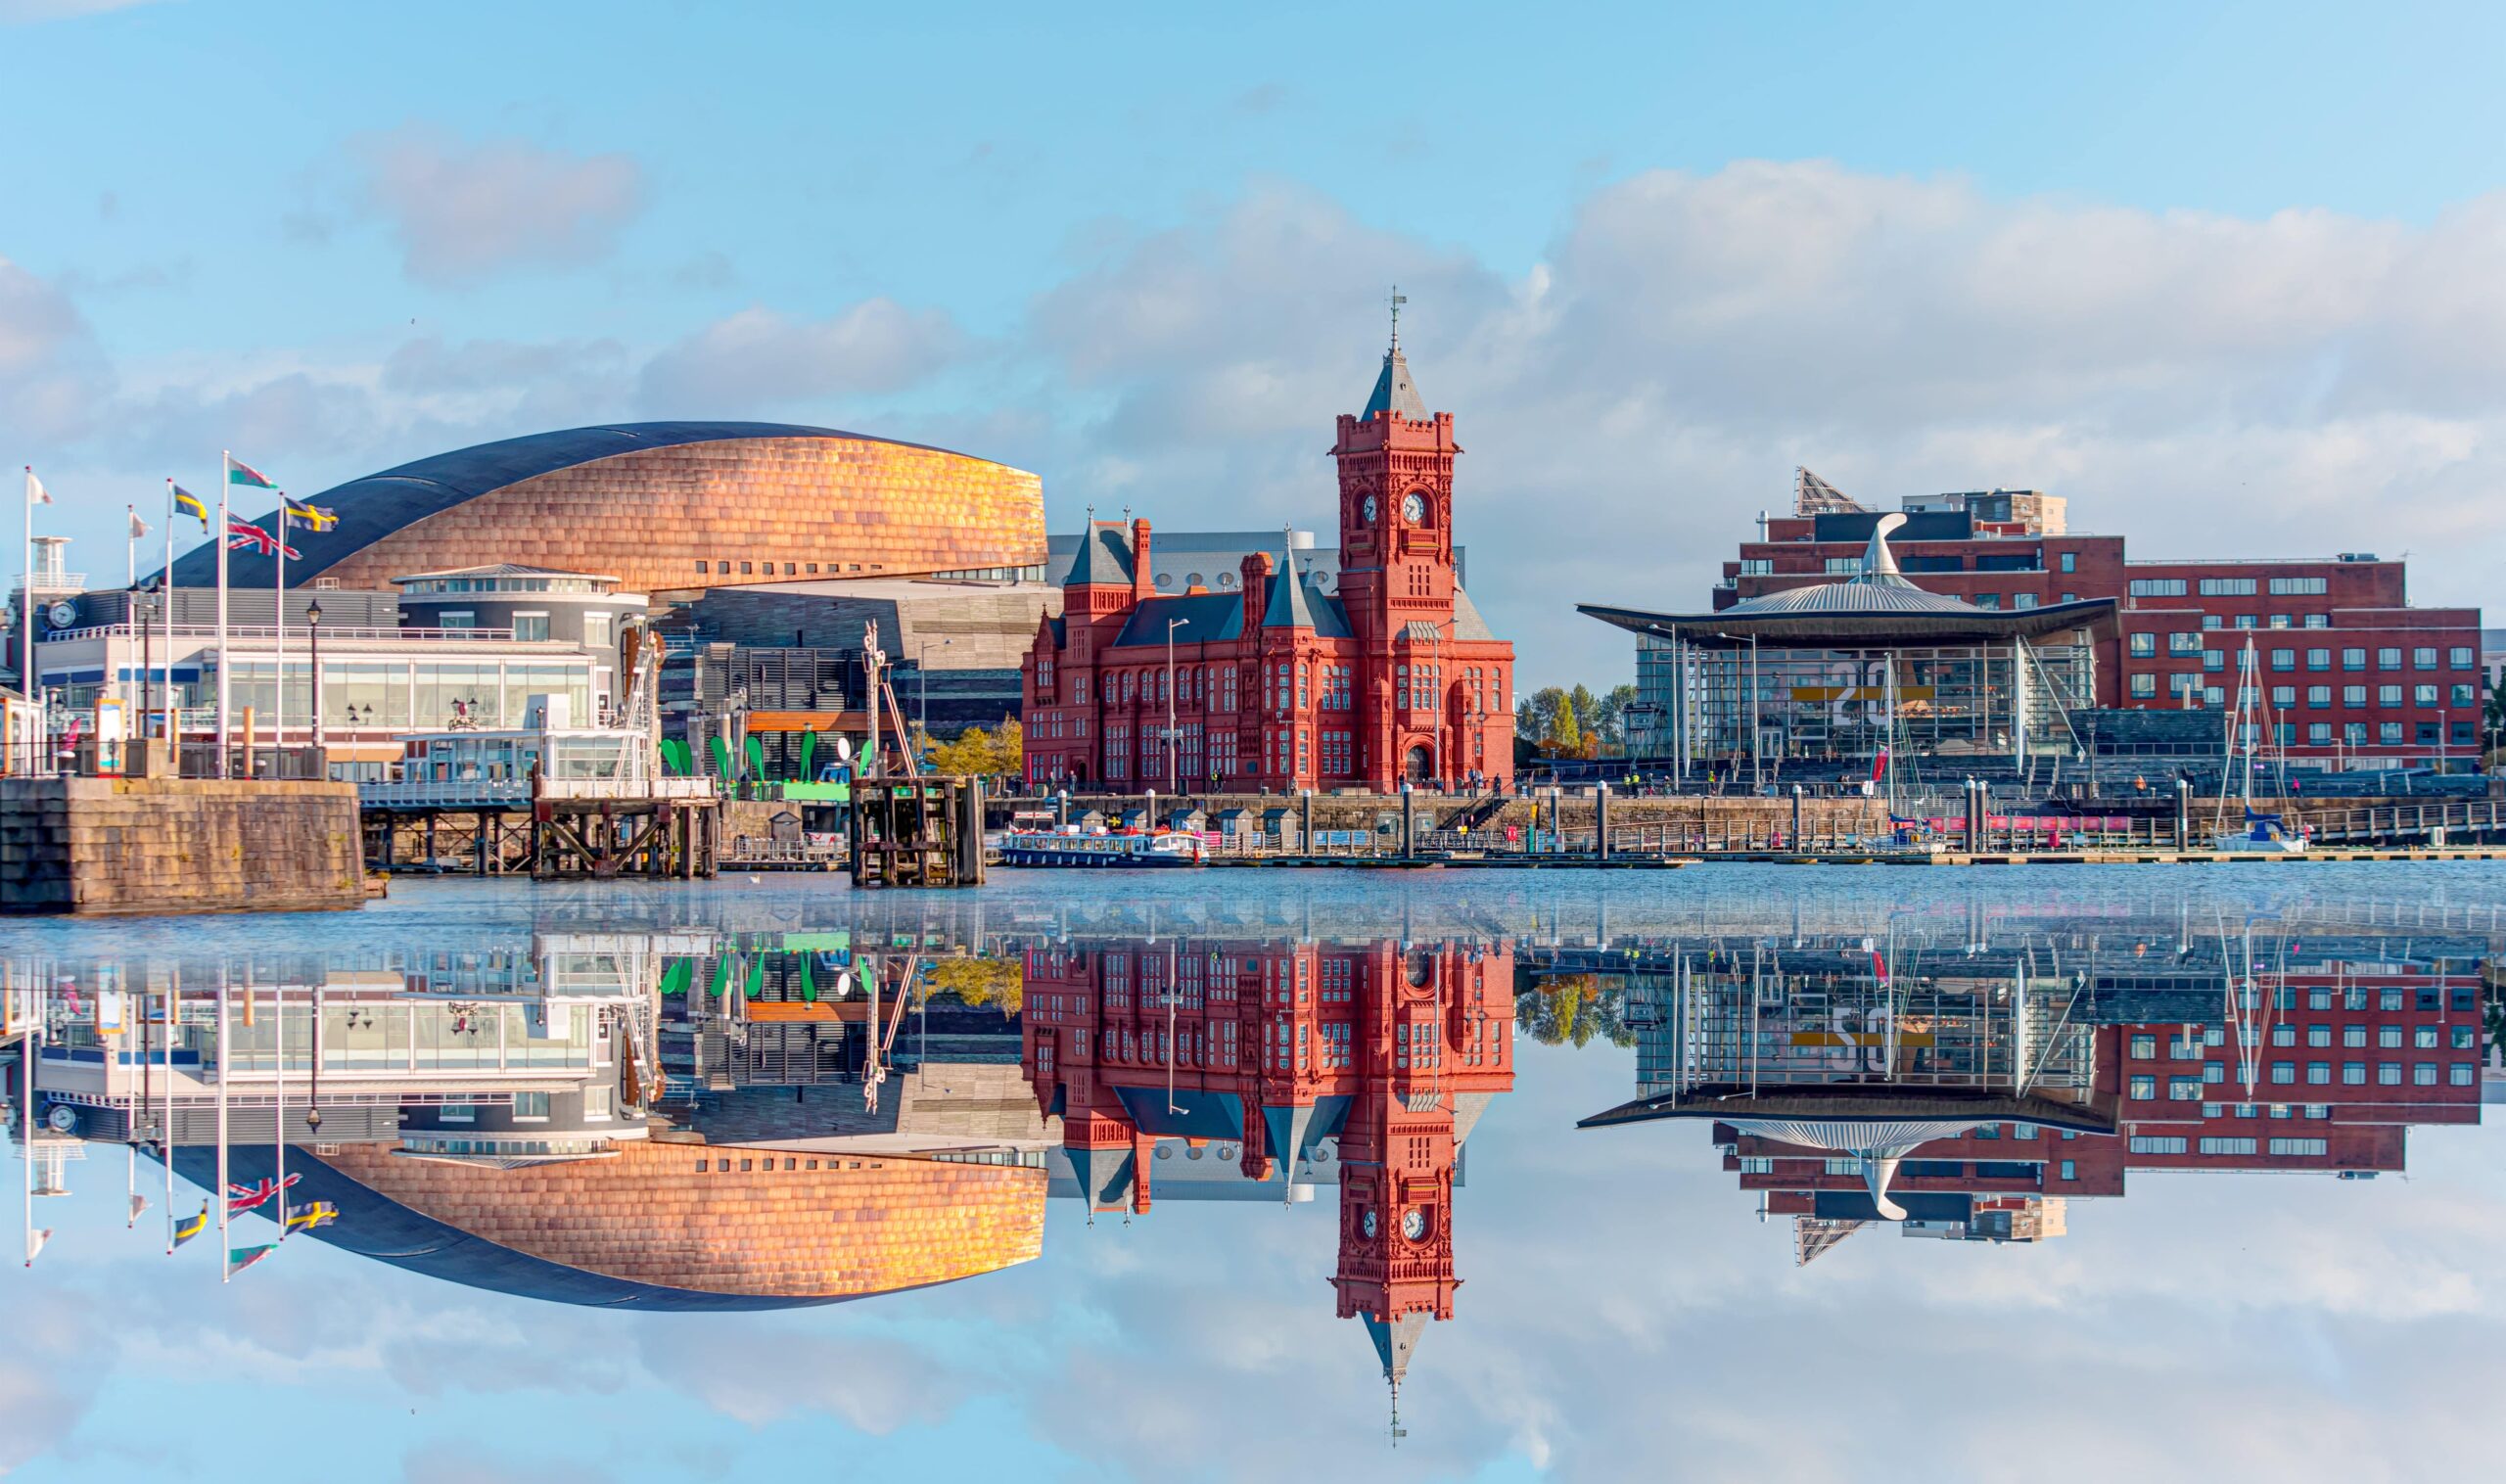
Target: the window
(2144, 1088)
(2227, 588)
(2388, 695)
(2144, 686)
(531, 627)
(2388, 732)
(459, 618)
(529, 1107)
(2353, 696)
(2422, 695)
(2319, 734)
(2297, 587)
(2214, 659)
(457, 1113)
(2461, 657)
(2302, 1146)
(2319, 697)
(2283, 696)
(2319, 1073)
(2283, 1072)
(2157, 587)
(2070, 1168)
(597, 1103)
(2144, 645)
(2022, 600)
(2388, 1074)
(2184, 643)
(2388, 659)
(2158, 1144)
(2463, 1075)
(2423, 659)
(596, 631)
(2227, 1145)
(2210, 621)
(2071, 561)
(2184, 1090)
(2318, 659)
(2353, 733)
(2144, 1047)
(2461, 697)
(2284, 659)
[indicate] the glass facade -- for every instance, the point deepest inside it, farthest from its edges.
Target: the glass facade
(420, 693)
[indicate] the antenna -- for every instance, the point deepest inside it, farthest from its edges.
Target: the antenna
(1398, 300)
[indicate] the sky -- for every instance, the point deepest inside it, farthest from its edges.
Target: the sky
(2224, 275)
(1623, 1313)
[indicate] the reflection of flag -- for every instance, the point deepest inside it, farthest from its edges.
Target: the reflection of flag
(240, 1258)
(138, 1203)
(35, 1238)
(36, 494)
(241, 1198)
(1879, 766)
(1879, 971)
(240, 473)
(190, 505)
(184, 1232)
(243, 535)
(306, 517)
(138, 527)
(320, 1213)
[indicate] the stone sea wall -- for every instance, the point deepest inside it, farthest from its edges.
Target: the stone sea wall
(177, 845)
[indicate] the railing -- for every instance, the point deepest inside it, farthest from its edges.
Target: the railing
(457, 793)
(332, 632)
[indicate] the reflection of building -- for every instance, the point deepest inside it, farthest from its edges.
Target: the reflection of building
(2301, 1052)
(1269, 680)
(668, 507)
(1271, 1057)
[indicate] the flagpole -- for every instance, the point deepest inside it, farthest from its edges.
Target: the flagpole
(165, 1140)
(130, 547)
(218, 1193)
(278, 614)
(30, 1049)
(225, 477)
(166, 598)
(278, 1065)
(27, 646)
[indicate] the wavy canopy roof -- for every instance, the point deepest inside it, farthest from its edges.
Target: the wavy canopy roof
(377, 505)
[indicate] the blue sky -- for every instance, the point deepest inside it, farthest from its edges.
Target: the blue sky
(2221, 274)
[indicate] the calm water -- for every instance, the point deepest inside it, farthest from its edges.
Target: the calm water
(1731, 1172)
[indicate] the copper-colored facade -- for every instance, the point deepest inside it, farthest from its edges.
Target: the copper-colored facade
(727, 512)
(765, 1223)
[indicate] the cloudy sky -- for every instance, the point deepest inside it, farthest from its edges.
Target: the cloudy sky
(2225, 276)
(1623, 1313)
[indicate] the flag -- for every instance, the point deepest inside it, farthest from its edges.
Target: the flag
(36, 494)
(1879, 766)
(307, 517)
(35, 1238)
(184, 1232)
(190, 505)
(320, 1213)
(138, 1203)
(240, 1258)
(138, 527)
(241, 1198)
(244, 534)
(240, 473)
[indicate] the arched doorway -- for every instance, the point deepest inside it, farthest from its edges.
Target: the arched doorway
(1418, 764)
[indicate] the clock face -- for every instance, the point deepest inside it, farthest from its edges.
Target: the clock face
(1369, 507)
(1413, 1224)
(1413, 507)
(1367, 1221)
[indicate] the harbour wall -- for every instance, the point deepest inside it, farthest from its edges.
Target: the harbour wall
(177, 845)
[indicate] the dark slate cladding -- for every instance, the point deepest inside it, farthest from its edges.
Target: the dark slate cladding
(1207, 618)
(1922, 526)
(371, 1224)
(377, 505)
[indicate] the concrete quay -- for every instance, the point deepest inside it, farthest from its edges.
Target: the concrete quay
(177, 845)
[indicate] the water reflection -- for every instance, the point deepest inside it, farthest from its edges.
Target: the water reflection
(705, 1103)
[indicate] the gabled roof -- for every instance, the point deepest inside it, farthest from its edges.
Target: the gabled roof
(1104, 558)
(1295, 604)
(1206, 616)
(1394, 390)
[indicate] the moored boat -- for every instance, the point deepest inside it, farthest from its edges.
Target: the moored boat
(1070, 847)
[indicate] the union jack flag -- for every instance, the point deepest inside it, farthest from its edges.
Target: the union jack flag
(241, 1197)
(244, 536)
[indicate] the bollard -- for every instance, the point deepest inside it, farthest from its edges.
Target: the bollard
(1409, 822)
(1305, 819)
(1600, 820)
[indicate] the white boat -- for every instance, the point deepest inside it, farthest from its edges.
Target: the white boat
(1071, 847)
(2264, 834)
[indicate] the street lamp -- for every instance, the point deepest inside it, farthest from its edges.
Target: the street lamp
(1172, 780)
(313, 632)
(922, 687)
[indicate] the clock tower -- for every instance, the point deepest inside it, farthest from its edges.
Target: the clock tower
(1396, 505)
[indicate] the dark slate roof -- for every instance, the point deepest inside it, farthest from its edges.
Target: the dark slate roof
(1395, 392)
(1812, 626)
(379, 504)
(1206, 616)
(1290, 605)
(1104, 558)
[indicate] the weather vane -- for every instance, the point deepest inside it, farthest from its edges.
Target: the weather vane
(1398, 300)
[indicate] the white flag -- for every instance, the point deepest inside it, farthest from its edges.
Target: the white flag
(138, 1203)
(138, 527)
(36, 494)
(35, 1238)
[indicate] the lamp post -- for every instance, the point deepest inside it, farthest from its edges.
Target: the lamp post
(139, 616)
(313, 633)
(1172, 780)
(922, 687)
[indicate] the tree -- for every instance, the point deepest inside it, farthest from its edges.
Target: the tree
(976, 753)
(979, 981)
(1566, 736)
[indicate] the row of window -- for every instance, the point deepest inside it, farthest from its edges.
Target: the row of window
(790, 569)
(2319, 697)
(2143, 1086)
(2224, 588)
(2142, 644)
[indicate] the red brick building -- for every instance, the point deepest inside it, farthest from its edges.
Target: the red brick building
(1280, 1055)
(2352, 674)
(1390, 677)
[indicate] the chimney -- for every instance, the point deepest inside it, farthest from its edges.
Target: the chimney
(1143, 580)
(1256, 572)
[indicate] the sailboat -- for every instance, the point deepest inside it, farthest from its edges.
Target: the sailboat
(2262, 834)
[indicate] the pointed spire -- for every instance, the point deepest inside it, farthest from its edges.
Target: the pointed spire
(1290, 608)
(1103, 559)
(1394, 390)
(1396, 1340)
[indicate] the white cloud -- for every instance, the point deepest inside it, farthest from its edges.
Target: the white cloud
(761, 358)
(464, 214)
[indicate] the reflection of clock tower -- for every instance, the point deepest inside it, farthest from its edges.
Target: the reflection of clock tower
(1396, 1163)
